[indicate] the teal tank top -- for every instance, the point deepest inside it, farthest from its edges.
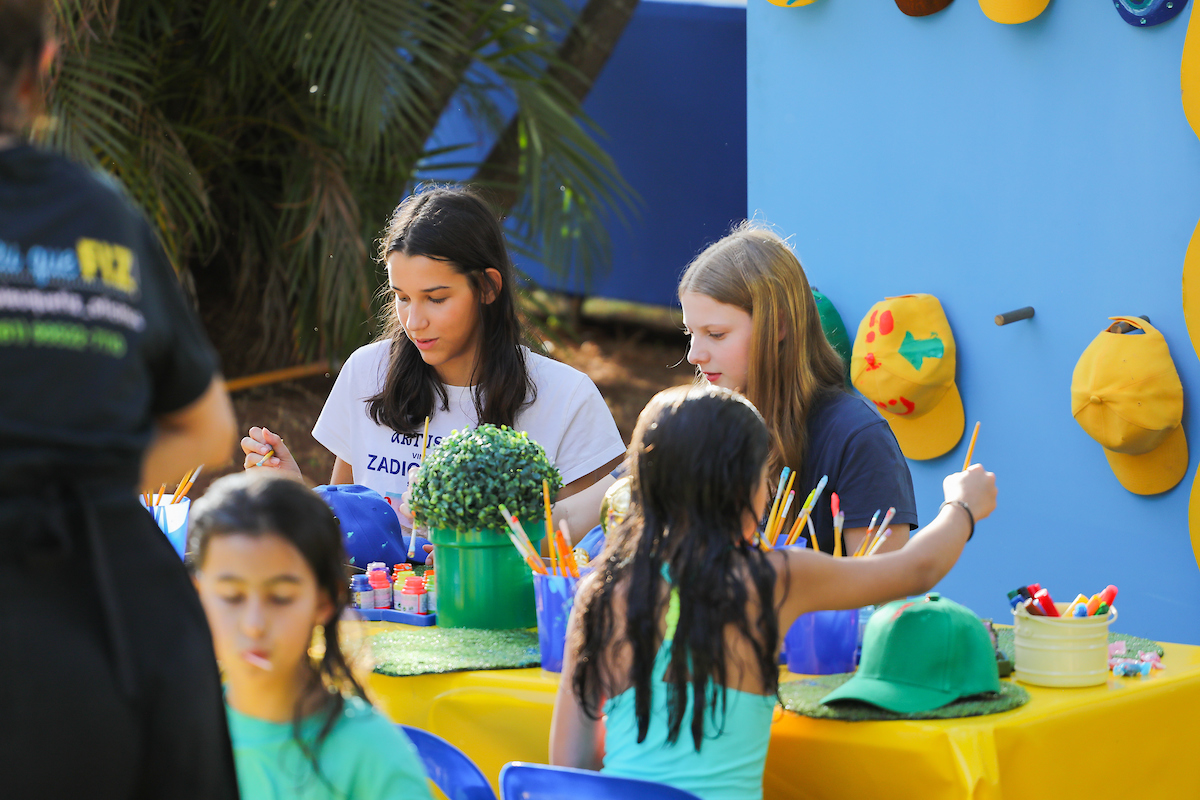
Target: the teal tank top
(729, 765)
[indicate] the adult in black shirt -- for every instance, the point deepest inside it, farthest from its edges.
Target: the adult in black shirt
(108, 682)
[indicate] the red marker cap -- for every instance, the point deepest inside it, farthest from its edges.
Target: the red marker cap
(834, 503)
(1046, 602)
(1109, 594)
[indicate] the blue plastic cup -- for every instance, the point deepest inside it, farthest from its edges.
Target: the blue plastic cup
(822, 642)
(554, 594)
(801, 544)
(172, 519)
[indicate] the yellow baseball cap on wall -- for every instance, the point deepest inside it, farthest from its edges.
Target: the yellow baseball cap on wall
(1012, 12)
(904, 361)
(1126, 394)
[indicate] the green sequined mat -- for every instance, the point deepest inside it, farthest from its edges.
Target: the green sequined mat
(426, 651)
(803, 696)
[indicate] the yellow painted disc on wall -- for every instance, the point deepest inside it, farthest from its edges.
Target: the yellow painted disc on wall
(1012, 12)
(1194, 518)
(1189, 75)
(1191, 289)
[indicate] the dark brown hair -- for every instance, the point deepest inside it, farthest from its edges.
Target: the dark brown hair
(454, 225)
(696, 461)
(256, 503)
(24, 30)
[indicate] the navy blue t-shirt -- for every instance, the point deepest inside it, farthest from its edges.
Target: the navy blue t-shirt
(851, 443)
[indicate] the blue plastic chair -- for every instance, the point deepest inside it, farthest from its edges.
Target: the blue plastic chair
(450, 769)
(521, 781)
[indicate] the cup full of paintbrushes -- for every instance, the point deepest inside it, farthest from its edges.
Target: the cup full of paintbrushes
(172, 518)
(554, 592)
(170, 510)
(555, 596)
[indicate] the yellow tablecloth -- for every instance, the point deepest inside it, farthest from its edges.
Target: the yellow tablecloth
(1131, 737)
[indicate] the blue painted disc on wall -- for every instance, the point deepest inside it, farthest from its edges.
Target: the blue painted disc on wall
(1144, 13)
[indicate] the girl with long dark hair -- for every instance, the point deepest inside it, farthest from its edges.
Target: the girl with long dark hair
(451, 351)
(671, 668)
(269, 565)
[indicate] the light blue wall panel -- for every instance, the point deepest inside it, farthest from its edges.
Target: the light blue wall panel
(1046, 164)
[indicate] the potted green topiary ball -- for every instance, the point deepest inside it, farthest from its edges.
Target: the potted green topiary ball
(482, 581)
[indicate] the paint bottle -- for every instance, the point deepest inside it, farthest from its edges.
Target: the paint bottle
(400, 573)
(413, 598)
(430, 591)
(362, 595)
(377, 574)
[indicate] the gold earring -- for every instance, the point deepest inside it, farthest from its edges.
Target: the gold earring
(316, 648)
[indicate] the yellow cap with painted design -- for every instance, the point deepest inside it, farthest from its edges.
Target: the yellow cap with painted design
(1126, 394)
(1012, 12)
(904, 362)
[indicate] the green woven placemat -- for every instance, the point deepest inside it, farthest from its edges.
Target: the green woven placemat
(1133, 644)
(433, 650)
(803, 696)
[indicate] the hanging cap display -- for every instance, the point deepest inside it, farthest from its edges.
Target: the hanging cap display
(834, 328)
(904, 361)
(921, 8)
(1126, 394)
(1012, 12)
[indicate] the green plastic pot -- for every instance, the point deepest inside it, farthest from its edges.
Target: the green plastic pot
(482, 581)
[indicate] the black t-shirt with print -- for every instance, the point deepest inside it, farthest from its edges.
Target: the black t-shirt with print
(96, 336)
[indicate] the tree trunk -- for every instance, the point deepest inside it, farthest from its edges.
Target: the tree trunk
(582, 55)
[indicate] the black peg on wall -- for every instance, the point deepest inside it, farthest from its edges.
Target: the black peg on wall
(1013, 316)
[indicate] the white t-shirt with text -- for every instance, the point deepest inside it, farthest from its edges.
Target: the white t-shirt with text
(568, 418)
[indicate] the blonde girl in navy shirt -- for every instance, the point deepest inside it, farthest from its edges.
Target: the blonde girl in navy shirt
(754, 328)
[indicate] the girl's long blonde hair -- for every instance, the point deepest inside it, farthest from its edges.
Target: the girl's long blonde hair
(791, 363)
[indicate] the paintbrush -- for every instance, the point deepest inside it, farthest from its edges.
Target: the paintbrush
(839, 519)
(971, 448)
(412, 536)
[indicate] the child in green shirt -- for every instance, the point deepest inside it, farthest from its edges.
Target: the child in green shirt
(268, 560)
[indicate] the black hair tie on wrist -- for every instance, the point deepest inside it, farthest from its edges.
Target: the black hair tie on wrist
(965, 508)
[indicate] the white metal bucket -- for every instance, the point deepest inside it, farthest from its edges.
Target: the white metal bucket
(1061, 652)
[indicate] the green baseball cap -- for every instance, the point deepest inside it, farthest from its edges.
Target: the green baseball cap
(834, 329)
(920, 654)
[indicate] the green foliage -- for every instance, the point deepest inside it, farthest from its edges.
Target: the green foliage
(464, 481)
(270, 139)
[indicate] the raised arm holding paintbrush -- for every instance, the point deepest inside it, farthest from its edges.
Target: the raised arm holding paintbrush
(678, 602)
